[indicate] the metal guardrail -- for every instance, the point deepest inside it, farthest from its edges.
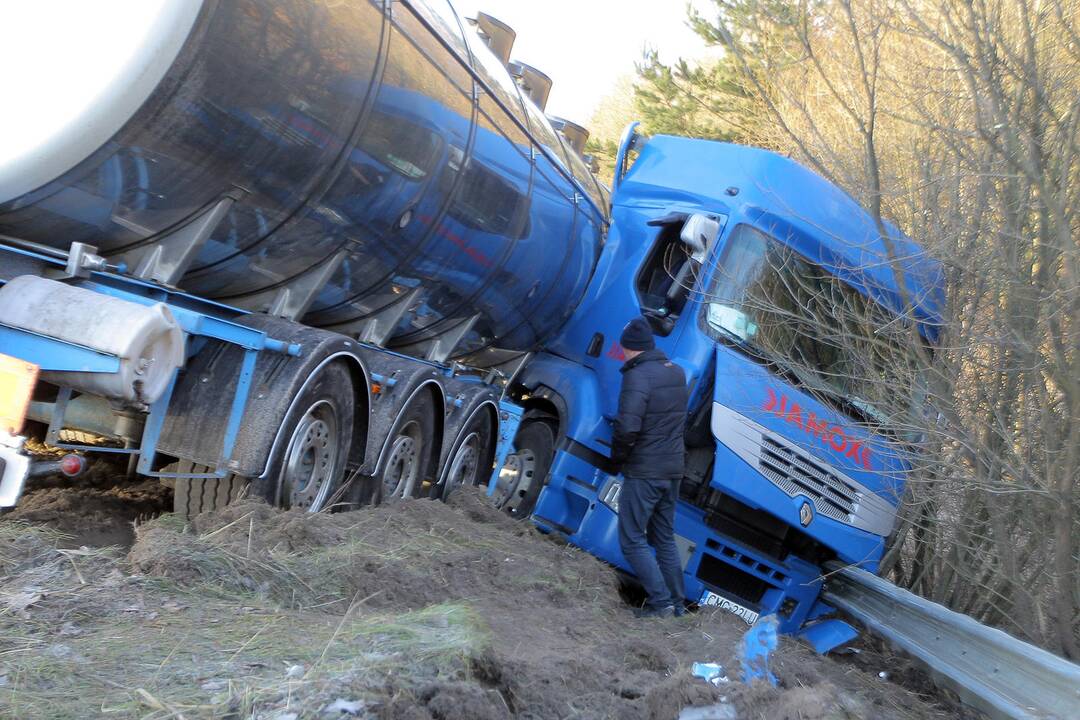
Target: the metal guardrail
(989, 669)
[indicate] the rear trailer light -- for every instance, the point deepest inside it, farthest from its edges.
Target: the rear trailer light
(72, 465)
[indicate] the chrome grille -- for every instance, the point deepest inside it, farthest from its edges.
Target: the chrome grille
(796, 473)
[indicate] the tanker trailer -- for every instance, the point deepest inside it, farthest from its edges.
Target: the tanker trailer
(332, 251)
(280, 243)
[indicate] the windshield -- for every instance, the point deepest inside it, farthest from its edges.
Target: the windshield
(829, 337)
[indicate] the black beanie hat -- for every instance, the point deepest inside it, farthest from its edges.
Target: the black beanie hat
(637, 335)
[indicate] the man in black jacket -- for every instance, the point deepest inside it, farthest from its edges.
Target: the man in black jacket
(648, 448)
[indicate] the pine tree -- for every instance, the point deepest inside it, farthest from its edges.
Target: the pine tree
(692, 100)
(719, 99)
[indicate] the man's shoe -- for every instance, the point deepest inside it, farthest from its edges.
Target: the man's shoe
(679, 609)
(651, 612)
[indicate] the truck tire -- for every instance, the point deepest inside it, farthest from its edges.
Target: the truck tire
(192, 496)
(313, 445)
(305, 471)
(469, 464)
(525, 471)
(408, 451)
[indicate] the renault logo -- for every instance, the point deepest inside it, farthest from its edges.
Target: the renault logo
(806, 514)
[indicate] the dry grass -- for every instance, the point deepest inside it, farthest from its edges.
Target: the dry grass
(252, 613)
(82, 638)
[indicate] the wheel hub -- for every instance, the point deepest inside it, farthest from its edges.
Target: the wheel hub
(311, 458)
(403, 463)
(465, 463)
(515, 480)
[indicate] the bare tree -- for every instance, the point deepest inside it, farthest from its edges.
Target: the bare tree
(959, 121)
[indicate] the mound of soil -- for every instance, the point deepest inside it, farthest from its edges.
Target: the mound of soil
(559, 642)
(413, 610)
(97, 509)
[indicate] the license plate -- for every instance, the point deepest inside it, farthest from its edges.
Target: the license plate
(711, 599)
(17, 378)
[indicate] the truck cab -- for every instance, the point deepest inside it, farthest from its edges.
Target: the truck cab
(800, 324)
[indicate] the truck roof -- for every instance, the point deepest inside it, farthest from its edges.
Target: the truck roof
(797, 206)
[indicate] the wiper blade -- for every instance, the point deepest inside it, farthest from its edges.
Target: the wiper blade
(870, 409)
(740, 341)
(761, 354)
(857, 407)
(847, 404)
(765, 356)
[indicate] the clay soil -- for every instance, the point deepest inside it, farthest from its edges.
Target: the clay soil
(98, 508)
(417, 610)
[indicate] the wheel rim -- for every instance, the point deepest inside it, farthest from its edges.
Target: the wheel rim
(311, 458)
(465, 462)
(515, 480)
(403, 463)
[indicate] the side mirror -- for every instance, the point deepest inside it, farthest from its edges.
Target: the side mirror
(661, 323)
(699, 233)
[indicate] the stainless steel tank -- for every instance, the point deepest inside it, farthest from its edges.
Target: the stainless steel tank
(314, 136)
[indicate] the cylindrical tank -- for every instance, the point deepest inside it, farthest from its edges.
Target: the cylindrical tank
(382, 137)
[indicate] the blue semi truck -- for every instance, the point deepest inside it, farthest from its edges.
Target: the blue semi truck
(332, 254)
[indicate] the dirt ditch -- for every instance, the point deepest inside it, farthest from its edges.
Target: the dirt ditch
(417, 610)
(97, 509)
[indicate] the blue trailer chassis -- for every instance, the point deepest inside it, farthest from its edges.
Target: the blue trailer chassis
(200, 319)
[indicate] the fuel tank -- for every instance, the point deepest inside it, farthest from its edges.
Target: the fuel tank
(376, 155)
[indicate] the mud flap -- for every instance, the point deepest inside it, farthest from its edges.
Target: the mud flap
(509, 420)
(200, 407)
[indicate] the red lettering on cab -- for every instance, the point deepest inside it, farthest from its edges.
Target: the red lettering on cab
(831, 436)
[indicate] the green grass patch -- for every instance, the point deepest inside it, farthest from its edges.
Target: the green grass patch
(215, 659)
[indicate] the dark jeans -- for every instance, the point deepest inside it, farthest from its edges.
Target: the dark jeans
(647, 518)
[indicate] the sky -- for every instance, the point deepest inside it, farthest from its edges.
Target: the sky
(584, 46)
